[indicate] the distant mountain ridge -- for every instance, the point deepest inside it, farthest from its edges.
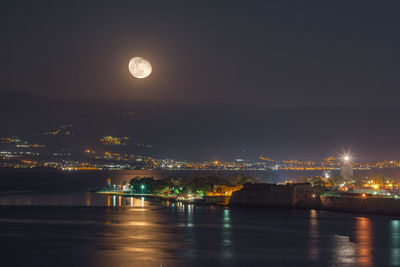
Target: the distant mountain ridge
(210, 130)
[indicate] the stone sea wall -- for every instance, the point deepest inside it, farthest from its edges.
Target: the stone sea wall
(274, 196)
(303, 196)
(363, 205)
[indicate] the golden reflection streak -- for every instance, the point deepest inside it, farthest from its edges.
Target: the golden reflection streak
(314, 235)
(108, 201)
(143, 224)
(88, 202)
(144, 237)
(136, 238)
(133, 249)
(364, 241)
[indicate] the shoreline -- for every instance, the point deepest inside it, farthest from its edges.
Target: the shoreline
(316, 205)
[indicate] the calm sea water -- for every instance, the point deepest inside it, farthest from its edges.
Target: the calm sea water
(49, 219)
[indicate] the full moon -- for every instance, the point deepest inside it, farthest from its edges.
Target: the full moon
(139, 67)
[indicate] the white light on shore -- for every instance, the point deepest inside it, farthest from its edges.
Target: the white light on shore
(346, 158)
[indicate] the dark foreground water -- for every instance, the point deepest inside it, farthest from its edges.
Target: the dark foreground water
(49, 219)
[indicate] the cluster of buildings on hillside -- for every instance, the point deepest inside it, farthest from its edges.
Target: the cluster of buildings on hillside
(65, 129)
(93, 160)
(15, 152)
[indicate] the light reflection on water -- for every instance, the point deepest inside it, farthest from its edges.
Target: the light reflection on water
(344, 251)
(395, 242)
(191, 235)
(114, 229)
(50, 219)
(226, 235)
(314, 236)
(189, 217)
(364, 239)
(137, 236)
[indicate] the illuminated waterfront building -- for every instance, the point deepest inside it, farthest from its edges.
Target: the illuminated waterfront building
(346, 169)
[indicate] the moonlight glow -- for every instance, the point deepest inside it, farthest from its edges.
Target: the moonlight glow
(139, 67)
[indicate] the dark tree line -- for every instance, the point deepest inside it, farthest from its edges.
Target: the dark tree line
(187, 185)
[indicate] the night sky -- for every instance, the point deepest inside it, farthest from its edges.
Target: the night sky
(265, 53)
(228, 76)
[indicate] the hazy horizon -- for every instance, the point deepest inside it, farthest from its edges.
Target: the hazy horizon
(211, 131)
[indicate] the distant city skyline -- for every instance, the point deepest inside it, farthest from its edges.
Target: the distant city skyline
(206, 131)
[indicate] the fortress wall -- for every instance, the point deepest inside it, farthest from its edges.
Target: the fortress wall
(367, 205)
(271, 195)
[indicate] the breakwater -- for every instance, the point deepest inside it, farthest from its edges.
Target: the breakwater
(360, 204)
(304, 196)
